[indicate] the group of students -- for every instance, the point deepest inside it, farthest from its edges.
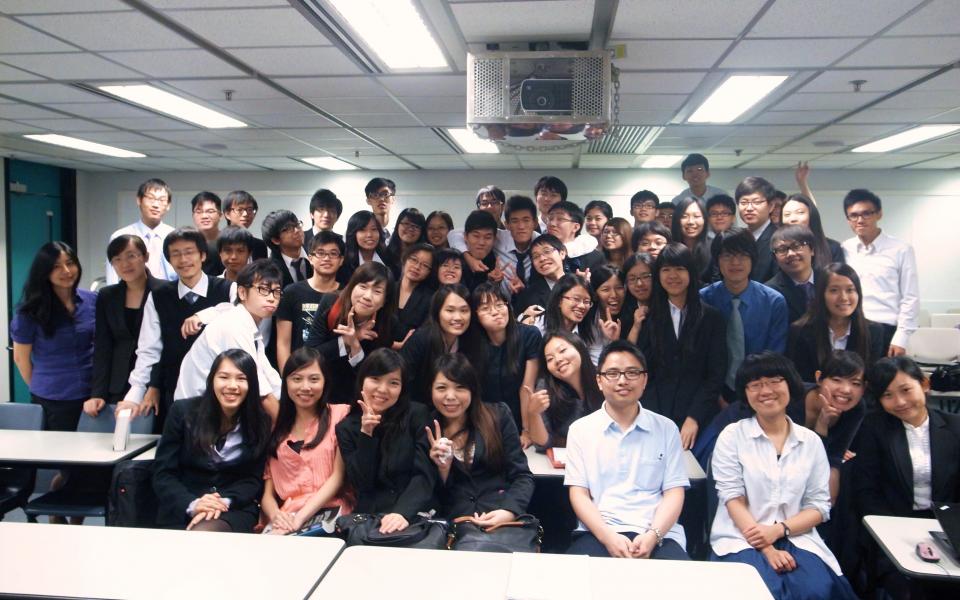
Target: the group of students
(307, 375)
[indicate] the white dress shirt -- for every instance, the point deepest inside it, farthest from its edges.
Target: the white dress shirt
(153, 238)
(839, 342)
(759, 230)
(676, 315)
(503, 246)
(891, 290)
(710, 192)
(745, 465)
(233, 328)
(918, 442)
(292, 269)
(150, 343)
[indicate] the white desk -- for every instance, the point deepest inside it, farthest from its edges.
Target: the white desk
(147, 455)
(56, 449)
(540, 465)
(120, 562)
(898, 537)
(434, 574)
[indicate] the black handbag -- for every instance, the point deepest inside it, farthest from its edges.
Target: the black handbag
(132, 502)
(523, 534)
(361, 529)
(946, 378)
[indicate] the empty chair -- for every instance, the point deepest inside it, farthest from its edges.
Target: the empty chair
(934, 345)
(16, 483)
(923, 318)
(945, 320)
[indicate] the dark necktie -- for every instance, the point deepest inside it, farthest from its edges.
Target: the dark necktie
(191, 297)
(807, 290)
(299, 269)
(521, 267)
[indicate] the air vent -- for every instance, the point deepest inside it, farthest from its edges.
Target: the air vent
(625, 139)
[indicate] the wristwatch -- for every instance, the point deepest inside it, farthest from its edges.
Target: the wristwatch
(786, 530)
(656, 532)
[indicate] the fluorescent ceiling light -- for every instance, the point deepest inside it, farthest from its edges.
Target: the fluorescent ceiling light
(173, 105)
(470, 143)
(78, 144)
(394, 30)
(329, 163)
(734, 97)
(907, 138)
(661, 161)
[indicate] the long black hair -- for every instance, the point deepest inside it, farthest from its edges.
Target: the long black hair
(701, 247)
(372, 273)
(818, 317)
(302, 357)
(396, 248)
(467, 342)
(482, 420)
(674, 254)
(358, 221)
(821, 250)
(254, 421)
(393, 421)
(489, 292)
(38, 300)
(563, 397)
(553, 318)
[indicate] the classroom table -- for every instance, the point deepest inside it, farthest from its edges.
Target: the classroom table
(121, 562)
(60, 449)
(898, 537)
(441, 574)
(540, 465)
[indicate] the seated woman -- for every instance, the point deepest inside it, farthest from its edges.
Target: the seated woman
(383, 445)
(479, 467)
(572, 307)
(209, 463)
(834, 321)
(772, 484)
(637, 273)
(906, 456)
(567, 391)
(357, 321)
(304, 475)
(416, 288)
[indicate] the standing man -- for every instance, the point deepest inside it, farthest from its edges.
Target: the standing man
(793, 247)
(887, 268)
(754, 195)
(643, 207)
(548, 191)
(381, 193)
(153, 200)
(695, 170)
(491, 199)
(565, 221)
(283, 233)
(325, 209)
(207, 211)
(241, 208)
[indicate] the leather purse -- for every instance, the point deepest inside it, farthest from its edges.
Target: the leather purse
(361, 529)
(523, 534)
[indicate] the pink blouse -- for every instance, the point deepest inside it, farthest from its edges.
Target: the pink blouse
(297, 476)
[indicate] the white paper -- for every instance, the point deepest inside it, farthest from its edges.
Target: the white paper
(560, 455)
(548, 577)
(121, 432)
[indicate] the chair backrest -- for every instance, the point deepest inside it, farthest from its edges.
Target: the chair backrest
(935, 345)
(17, 415)
(945, 320)
(923, 318)
(106, 422)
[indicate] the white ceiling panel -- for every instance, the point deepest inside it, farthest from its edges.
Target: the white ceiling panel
(14, 127)
(281, 163)
(283, 120)
(425, 85)
(829, 17)
(526, 21)
(175, 63)
(17, 7)
(69, 66)
(606, 161)
(99, 110)
(945, 82)
(332, 87)
(877, 80)
(359, 106)
(325, 60)
(650, 102)
(689, 18)
(253, 108)
(645, 117)
(948, 144)
(245, 28)
(945, 100)
(381, 162)
(899, 115)
(26, 111)
(906, 51)
(147, 123)
(66, 125)
(426, 104)
(793, 117)
(827, 101)
(15, 37)
(949, 162)
(378, 120)
(890, 161)
(243, 89)
(328, 134)
(659, 83)
(454, 119)
(937, 18)
(491, 161)
(11, 74)
(784, 53)
(203, 4)
(664, 54)
(96, 31)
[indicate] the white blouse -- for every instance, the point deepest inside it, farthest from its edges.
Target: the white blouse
(918, 442)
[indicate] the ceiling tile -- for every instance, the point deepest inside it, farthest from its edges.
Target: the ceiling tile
(48, 92)
(325, 60)
(525, 21)
(455, 119)
(69, 66)
(676, 54)
(332, 87)
(379, 120)
(899, 115)
(175, 63)
(359, 106)
(381, 162)
(11, 74)
(147, 123)
(16, 7)
(786, 53)
(945, 82)
(66, 125)
(425, 85)
(243, 89)
(906, 51)
(829, 17)
(659, 83)
(793, 117)
(98, 110)
(14, 127)
(877, 80)
(949, 162)
(20, 38)
(427, 104)
(26, 111)
(891, 161)
(96, 31)
(252, 108)
(282, 120)
(690, 18)
(202, 4)
(263, 27)
(944, 100)
(651, 102)
(645, 117)
(827, 101)
(937, 18)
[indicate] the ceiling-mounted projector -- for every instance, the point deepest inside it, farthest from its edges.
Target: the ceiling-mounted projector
(524, 97)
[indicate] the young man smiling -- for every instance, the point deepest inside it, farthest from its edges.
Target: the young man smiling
(153, 201)
(325, 209)
(284, 235)
(643, 207)
(547, 253)
(565, 222)
(753, 196)
(381, 193)
(793, 247)
(207, 212)
(695, 170)
(625, 468)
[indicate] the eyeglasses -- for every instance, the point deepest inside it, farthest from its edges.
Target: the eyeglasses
(785, 249)
(266, 291)
(240, 210)
(558, 220)
(495, 307)
(852, 217)
(716, 214)
(579, 301)
(759, 384)
(488, 203)
(408, 225)
(126, 257)
(185, 254)
(322, 254)
(753, 203)
(543, 254)
(291, 227)
(383, 195)
(645, 205)
(613, 375)
(635, 279)
(156, 199)
(611, 233)
(210, 212)
(420, 263)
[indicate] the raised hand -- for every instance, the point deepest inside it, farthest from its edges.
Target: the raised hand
(399, 345)
(801, 173)
(829, 414)
(441, 449)
(640, 314)
(370, 419)
(191, 326)
(585, 273)
(539, 401)
(531, 313)
(610, 327)
(366, 331)
(497, 274)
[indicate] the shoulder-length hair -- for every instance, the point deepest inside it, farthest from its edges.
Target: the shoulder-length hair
(395, 246)
(818, 317)
(488, 292)
(768, 364)
(821, 251)
(253, 419)
(412, 249)
(676, 226)
(563, 398)
(625, 229)
(675, 254)
(553, 318)
(302, 357)
(358, 221)
(372, 273)
(393, 421)
(481, 419)
(38, 300)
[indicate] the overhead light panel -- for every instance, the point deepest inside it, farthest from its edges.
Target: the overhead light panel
(734, 97)
(329, 163)
(78, 144)
(470, 143)
(395, 31)
(661, 161)
(173, 105)
(907, 138)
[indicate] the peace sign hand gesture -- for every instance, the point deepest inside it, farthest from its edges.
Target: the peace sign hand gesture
(370, 419)
(610, 327)
(348, 332)
(441, 449)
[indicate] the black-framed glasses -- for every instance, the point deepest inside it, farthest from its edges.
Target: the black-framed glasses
(759, 384)
(631, 374)
(209, 212)
(322, 254)
(243, 210)
(856, 216)
(267, 291)
(383, 195)
(579, 301)
(291, 227)
(488, 203)
(753, 203)
(784, 249)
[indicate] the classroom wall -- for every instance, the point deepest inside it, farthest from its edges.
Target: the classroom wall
(6, 362)
(917, 203)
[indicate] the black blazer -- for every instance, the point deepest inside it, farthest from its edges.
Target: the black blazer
(181, 474)
(765, 267)
(536, 292)
(388, 480)
(288, 279)
(686, 383)
(802, 348)
(115, 344)
(792, 293)
(481, 488)
(883, 471)
(836, 251)
(417, 308)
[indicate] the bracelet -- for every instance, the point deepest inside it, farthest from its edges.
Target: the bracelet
(656, 532)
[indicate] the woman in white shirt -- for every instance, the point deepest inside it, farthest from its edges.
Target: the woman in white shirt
(772, 484)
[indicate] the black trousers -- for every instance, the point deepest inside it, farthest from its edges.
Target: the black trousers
(59, 415)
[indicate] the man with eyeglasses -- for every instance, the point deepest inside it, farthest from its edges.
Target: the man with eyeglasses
(238, 326)
(153, 201)
(491, 199)
(887, 268)
(283, 232)
(241, 208)
(325, 209)
(625, 468)
(164, 339)
(300, 300)
(695, 170)
(643, 207)
(547, 254)
(565, 221)
(754, 197)
(206, 210)
(381, 193)
(793, 247)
